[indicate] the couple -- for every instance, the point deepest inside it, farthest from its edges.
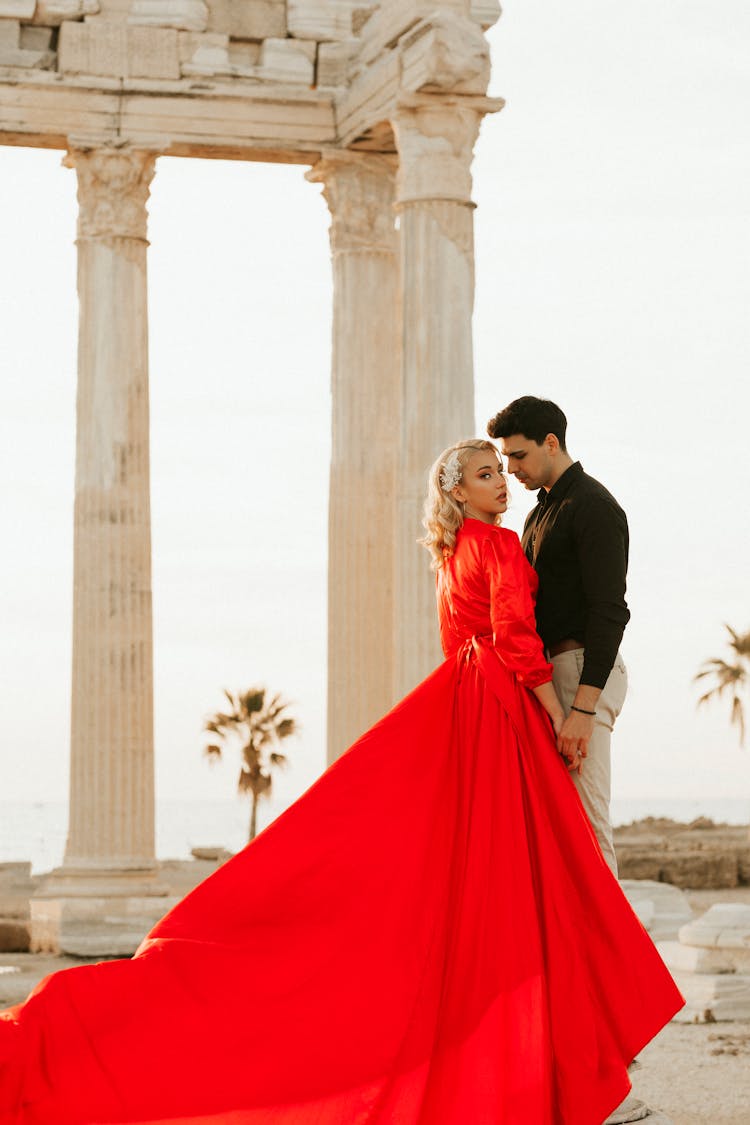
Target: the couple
(431, 935)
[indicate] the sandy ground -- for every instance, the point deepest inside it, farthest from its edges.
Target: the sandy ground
(694, 1074)
(698, 1074)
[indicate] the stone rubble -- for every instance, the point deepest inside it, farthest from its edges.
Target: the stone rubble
(711, 964)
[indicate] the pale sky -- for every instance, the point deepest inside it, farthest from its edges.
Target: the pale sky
(613, 242)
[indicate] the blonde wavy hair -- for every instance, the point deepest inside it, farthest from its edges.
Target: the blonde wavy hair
(443, 514)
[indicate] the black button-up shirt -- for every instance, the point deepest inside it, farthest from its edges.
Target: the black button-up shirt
(577, 540)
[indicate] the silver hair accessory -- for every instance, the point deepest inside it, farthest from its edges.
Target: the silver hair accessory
(451, 472)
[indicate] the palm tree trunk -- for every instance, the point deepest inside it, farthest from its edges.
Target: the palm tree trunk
(253, 816)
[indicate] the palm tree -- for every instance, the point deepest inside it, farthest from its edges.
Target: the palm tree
(731, 676)
(258, 724)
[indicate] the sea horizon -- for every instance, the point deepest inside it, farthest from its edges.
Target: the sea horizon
(35, 830)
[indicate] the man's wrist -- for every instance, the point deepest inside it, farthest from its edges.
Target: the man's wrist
(586, 698)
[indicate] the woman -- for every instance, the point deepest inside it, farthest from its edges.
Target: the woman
(429, 936)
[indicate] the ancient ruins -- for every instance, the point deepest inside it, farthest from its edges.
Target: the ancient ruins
(384, 102)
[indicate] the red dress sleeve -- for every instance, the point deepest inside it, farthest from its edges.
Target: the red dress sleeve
(512, 583)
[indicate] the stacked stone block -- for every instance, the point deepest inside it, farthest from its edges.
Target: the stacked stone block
(323, 44)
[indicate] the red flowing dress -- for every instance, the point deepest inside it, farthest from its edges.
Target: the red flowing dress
(428, 936)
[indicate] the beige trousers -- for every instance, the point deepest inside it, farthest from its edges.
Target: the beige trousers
(594, 782)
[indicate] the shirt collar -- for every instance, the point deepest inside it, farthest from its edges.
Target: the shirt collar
(562, 485)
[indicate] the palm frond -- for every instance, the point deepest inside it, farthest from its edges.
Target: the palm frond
(252, 700)
(730, 677)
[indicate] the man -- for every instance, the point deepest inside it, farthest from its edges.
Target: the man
(577, 540)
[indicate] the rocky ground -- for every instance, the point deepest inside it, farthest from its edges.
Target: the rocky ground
(700, 854)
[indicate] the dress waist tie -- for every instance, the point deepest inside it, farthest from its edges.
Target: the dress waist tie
(500, 681)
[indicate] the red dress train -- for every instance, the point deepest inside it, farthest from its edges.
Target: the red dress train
(428, 936)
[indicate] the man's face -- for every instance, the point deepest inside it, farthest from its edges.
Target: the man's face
(528, 462)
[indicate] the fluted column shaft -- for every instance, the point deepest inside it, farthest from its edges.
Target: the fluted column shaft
(359, 190)
(112, 755)
(435, 138)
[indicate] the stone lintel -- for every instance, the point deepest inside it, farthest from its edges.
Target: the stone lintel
(206, 119)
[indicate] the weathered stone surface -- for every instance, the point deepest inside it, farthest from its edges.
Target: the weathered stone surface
(94, 927)
(333, 63)
(204, 54)
(485, 12)
(244, 58)
(725, 926)
(104, 896)
(320, 19)
(183, 15)
(435, 144)
(393, 18)
(35, 38)
(661, 907)
(114, 50)
(216, 54)
(287, 60)
(702, 854)
(51, 13)
(17, 9)
(359, 190)
(445, 53)
(699, 959)
(361, 13)
(15, 937)
(10, 32)
(118, 11)
(713, 998)
(248, 19)
(25, 46)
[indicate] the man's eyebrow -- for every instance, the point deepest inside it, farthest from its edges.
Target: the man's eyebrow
(514, 452)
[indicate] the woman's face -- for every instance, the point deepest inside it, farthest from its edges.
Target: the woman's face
(483, 489)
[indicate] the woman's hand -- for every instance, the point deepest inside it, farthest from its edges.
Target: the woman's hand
(547, 696)
(557, 718)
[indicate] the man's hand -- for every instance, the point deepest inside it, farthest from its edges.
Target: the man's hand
(573, 739)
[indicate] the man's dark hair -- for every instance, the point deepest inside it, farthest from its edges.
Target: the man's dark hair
(532, 417)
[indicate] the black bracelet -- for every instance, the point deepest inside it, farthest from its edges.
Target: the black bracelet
(581, 711)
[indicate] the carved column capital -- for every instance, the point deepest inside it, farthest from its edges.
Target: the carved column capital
(435, 137)
(113, 189)
(359, 190)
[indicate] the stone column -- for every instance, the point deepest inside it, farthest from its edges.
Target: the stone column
(111, 828)
(435, 137)
(359, 190)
